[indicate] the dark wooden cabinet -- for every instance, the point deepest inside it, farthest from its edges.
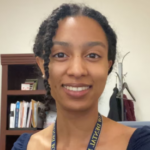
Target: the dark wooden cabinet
(15, 69)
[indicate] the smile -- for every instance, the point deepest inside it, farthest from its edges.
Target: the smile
(71, 88)
(77, 90)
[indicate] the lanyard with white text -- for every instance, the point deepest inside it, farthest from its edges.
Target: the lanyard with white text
(94, 136)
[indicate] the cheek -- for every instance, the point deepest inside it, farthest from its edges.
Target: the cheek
(100, 79)
(99, 74)
(56, 72)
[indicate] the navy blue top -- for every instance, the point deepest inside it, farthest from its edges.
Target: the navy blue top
(140, 140)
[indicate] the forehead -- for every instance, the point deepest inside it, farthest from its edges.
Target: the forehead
(80, 29)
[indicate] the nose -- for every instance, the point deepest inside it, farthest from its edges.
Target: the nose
(77, 67)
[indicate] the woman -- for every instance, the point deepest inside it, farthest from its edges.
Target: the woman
(75, 49)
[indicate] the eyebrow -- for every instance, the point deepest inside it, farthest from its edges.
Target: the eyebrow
(61, 43)
(97, 43)
(88, 44)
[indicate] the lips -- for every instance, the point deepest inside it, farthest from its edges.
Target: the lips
(76, 84)
(71, 88)
(76, 90)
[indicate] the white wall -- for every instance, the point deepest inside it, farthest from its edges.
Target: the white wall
(19, 21)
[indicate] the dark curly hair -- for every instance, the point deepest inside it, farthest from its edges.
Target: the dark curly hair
(47, 30)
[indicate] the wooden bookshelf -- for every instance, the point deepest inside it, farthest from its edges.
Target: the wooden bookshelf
(19, 132)
(19, 92)
(15, 69)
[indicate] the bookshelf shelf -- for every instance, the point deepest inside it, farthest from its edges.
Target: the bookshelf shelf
(20, 92)
(16, 68)
(19, 132)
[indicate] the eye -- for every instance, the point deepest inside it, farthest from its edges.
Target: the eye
(60, 55)
(93, 55)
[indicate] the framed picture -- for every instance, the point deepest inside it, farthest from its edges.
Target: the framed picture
(33, 83)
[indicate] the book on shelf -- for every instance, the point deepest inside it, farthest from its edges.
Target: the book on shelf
(29, 115)
(12, 116)
(33, 111)
(26, 115)
(20, 114)
(17, 114)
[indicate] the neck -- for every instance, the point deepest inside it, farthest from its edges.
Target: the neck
(76, 127)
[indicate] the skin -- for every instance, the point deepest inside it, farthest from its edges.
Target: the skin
(77, 38)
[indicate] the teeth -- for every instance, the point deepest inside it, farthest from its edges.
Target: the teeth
(76, 88)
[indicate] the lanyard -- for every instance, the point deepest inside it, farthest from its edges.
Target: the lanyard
(93, 139)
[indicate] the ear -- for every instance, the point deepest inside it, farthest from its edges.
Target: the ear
(110, 62)
(40, 63)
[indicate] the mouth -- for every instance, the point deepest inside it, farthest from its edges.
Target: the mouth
(76, 90)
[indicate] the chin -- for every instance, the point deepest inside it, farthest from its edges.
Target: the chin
(77, 106)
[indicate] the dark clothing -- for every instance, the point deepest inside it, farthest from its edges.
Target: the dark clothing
(115, 108)
(129, 109)
(140, 140)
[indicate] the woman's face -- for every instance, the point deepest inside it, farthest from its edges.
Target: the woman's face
(79, 63)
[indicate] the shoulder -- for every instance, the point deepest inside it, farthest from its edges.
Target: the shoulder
(140, 140)
(41, 140)
(114, 136)
(22, 142)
